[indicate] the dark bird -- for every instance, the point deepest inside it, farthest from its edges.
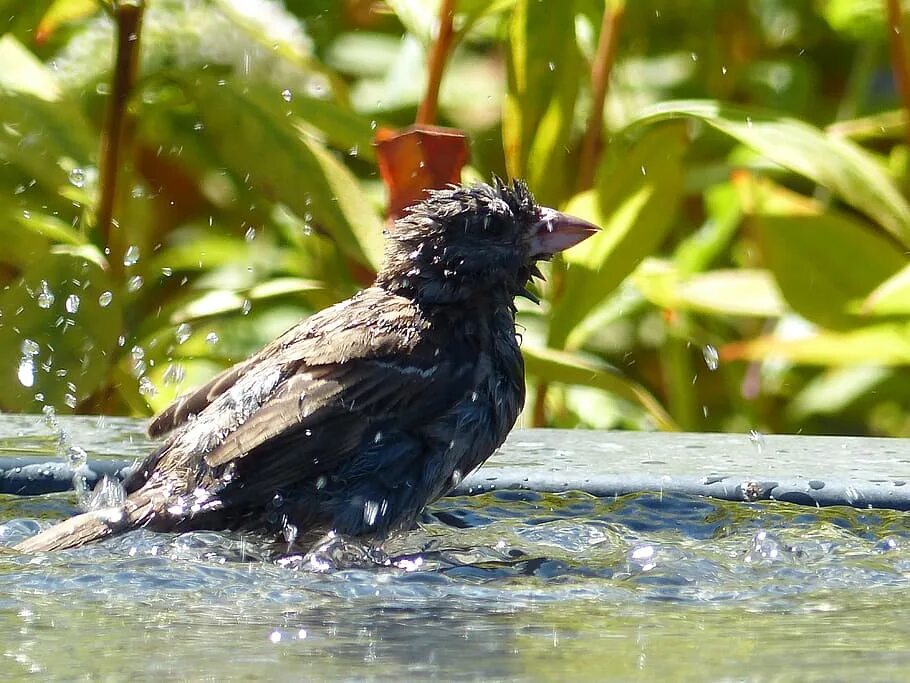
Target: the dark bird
(356, 418)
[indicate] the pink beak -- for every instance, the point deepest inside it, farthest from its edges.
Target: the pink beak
(557, 231)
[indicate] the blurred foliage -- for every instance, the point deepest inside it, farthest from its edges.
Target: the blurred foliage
(752, 183)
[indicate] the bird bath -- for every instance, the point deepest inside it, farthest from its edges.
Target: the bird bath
(569, 555)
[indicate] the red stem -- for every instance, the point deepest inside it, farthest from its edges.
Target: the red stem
(426, 114)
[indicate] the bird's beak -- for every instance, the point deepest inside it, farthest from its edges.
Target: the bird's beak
(557, 231)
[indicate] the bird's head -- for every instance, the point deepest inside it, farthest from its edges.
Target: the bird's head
(475, 244)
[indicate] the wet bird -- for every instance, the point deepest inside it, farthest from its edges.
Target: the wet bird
(356, 418)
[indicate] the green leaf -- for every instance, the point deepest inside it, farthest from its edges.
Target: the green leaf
(21, 17)
(833, 162)
(836, 389)
(48, 226)
(23, 72)
(220, 302)
(743, 292)
(634, 202)
(255, 141)
(417, 16)
(544, 72)
(891, 297)
(824, 263)
(885, 344)
(72, 333)
(551, 365)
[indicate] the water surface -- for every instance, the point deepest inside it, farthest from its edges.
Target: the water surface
(506, 585)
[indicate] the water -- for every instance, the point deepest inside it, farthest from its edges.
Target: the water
(511, 585)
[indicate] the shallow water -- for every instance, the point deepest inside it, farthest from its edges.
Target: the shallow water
(504, 585)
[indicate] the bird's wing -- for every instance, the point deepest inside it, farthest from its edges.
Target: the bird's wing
(303, 405)
(193, 403)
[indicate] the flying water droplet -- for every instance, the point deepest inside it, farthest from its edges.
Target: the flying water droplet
(712, 359)
(26, 371)
(45, 295)
(286, 95)
(146, 387)
(104, 300)
(183, 332)
(250, 234)
(131, 257)
(134, 284)
(246, 306)
(77, 177)
(758, 440)
(30, 347)
(174, 374)
(211, 338)
(72, 304)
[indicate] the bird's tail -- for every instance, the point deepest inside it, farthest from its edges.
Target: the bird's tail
(92, 526)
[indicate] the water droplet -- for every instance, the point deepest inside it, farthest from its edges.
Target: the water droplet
(105, 299)
(131, 257)
(108, 493)
(174, 374)
(26, 372)
(30, 347)
(551, 66)
(748, 122)
(72, 304)
(370, 512)
(70, 400)
(712, 360)
(758, 440)
(250, 234)
(134, 284)
(246, 306)
(137, 352)
(77, 177)
(723, 70)
(275, 636)
(26, 214)
(321, 482)
(146, 388)
(198, 125)
(183, 332)
(45, 295)
(286, 95)
(211, 338)
(354, 151)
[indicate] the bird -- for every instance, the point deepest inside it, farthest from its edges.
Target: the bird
(359, 416)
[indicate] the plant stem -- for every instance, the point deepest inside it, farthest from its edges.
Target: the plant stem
(604, 59)
(900, 61)
(426, 114)
(128, 18)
